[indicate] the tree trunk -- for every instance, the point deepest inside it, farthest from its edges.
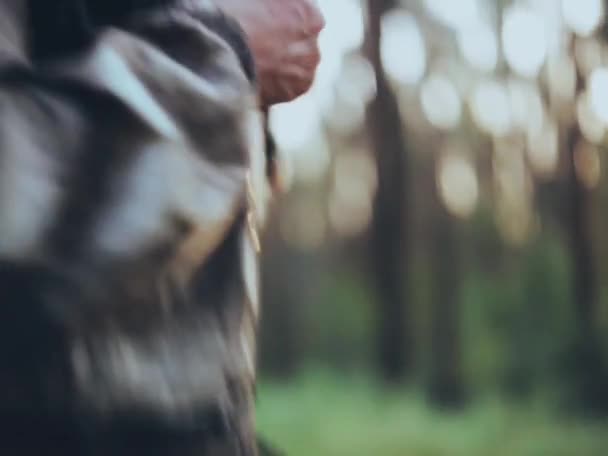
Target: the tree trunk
(445, 387)
(389, 230)
(586, 363)
(282, 329)
(578, 223)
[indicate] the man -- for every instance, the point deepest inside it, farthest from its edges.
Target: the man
(131, 189)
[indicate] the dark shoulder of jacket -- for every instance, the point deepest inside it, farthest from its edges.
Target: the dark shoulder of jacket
(116, 12)
(232, 33)
(57, 28)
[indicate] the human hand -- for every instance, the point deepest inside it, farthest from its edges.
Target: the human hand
(283, 36)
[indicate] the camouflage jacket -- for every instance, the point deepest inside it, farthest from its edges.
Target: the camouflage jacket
(132, 184)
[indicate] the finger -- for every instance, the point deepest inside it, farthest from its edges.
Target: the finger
(303, 48)
(311, 18)
(284, 89)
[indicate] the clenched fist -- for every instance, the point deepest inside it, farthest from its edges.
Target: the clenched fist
(283, 35)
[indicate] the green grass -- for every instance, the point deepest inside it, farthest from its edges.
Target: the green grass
(324, 415)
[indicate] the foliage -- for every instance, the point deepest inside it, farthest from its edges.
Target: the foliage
(324, 414)
(518, 320)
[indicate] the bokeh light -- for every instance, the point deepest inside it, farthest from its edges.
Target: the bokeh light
(441, 102)
(561, 78)
(591, 125)
(350, 205)
(598, 93)
(358, 80)
(513, 193)
(490, 106)
(457, 182)
(345, 26)
(587, 164)
(299, 134)
(455, 14)
(588, 54)
(543, 149)
(526, 104)
(294, 124)
(479, 46)
(524, 40)
(344, 33)
(403, 48)
(583, 16)
(357, 89)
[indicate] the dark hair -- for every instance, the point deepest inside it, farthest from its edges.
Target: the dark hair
(114, 12)
(62, 27)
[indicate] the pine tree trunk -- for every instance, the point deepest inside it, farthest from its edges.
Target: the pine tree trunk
(389, 231)
(445, 386)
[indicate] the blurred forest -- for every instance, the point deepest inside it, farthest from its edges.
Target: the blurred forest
(433, 280)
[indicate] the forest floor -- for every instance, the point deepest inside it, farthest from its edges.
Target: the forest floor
(326, 415)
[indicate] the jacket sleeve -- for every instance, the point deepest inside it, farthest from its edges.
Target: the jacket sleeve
(135, 170)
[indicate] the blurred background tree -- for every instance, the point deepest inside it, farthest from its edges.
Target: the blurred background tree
(388, 248)
(444, 243)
